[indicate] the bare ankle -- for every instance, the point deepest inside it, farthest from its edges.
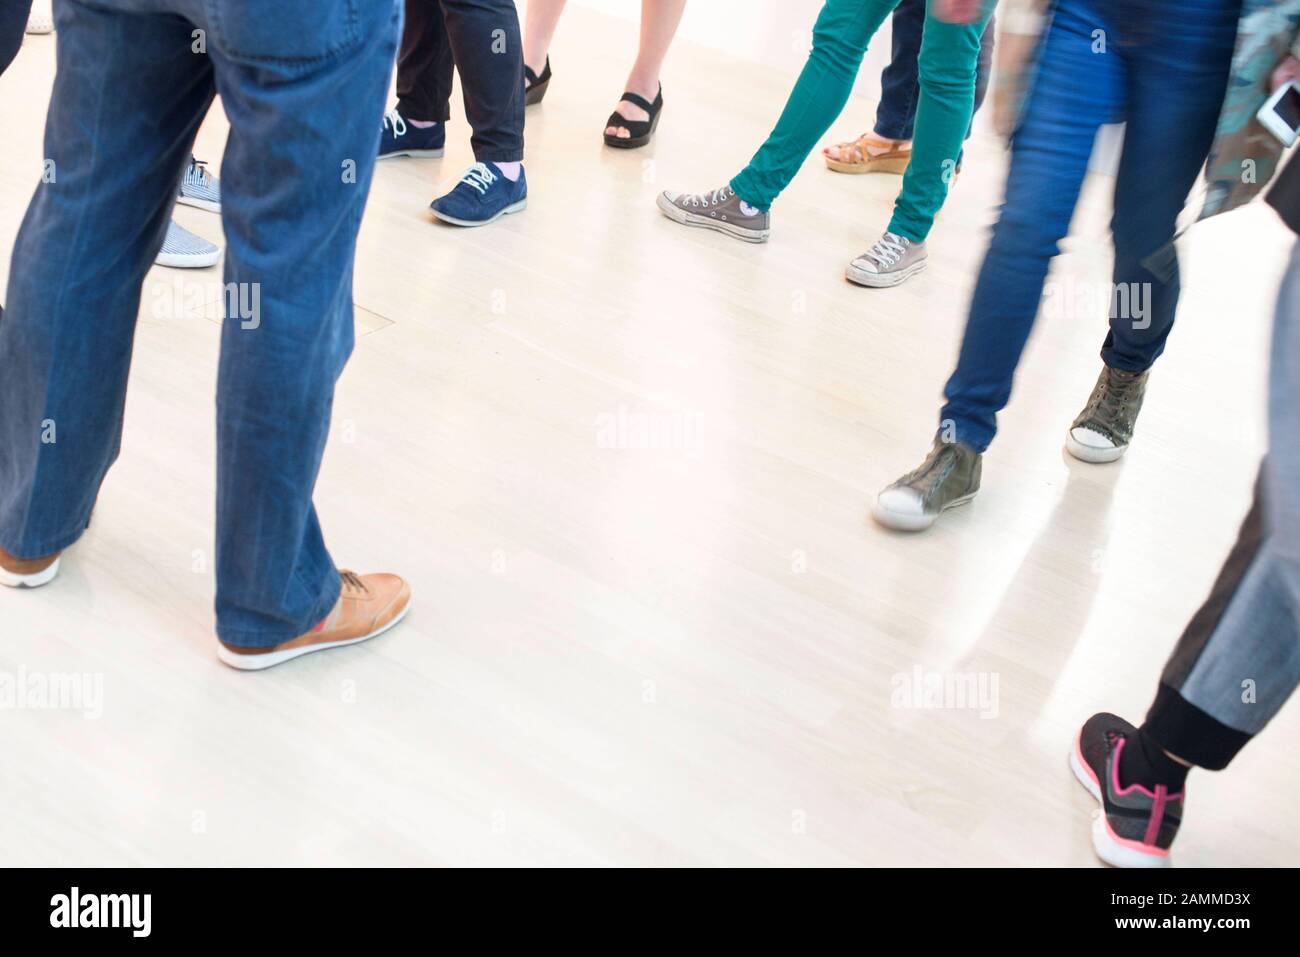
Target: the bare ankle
(641, 85)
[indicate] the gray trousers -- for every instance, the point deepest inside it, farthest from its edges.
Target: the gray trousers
(1238, 660)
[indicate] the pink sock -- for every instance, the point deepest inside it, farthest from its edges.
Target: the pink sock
(510, 170)
(422, 124)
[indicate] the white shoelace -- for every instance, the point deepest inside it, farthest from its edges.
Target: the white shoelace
(394, 119)
(480, 177)
(719, 195)
(888, 250)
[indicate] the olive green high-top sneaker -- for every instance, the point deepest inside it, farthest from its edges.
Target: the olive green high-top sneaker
(949, 476)
(1104, 428)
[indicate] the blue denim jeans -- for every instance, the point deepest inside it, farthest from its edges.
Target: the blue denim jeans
(900, 81)
(1160, 65)
(301, 82)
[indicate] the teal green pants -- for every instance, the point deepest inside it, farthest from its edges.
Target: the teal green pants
(947, 64)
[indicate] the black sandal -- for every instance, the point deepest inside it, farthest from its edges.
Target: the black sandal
(641, 130)
(534, 85)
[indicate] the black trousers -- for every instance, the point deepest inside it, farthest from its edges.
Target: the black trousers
(13, 24)
(480, 38)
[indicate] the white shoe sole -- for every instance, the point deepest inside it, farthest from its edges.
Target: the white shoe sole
(512, 208)
(30, 581)
(875, 280)
(270, 659)
(414, 154)
(1088, 453)
(39, 26)
(188, 261)
(207, 204)
(1104, 844)
(742, 233)
(910, 522)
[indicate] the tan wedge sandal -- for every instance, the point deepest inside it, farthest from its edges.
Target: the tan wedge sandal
(855, 158)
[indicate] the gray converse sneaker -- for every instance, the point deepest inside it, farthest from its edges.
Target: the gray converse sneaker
(721, 209)
(949, 476)
(890, 261)
(1104, 428)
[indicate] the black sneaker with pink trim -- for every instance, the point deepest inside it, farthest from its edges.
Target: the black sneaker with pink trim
(1137, 824)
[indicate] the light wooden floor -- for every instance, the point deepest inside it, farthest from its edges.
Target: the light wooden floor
(650, 656)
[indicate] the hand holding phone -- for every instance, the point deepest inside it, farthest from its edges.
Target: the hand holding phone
(1288, 69)
(1280, 114)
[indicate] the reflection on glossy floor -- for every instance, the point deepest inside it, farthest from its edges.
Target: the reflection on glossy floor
(657, 655)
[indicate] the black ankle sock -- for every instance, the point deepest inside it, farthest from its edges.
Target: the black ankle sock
(1144, 762)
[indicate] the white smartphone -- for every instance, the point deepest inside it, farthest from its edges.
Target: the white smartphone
(1280, 114)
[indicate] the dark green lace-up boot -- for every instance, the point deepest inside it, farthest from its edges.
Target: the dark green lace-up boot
(1104, 428)
(949, 476)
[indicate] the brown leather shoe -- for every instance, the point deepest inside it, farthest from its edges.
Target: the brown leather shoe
(27, 572)
(368, 606)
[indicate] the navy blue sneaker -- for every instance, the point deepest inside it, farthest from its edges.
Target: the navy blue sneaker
(400, 138)
(482, 196)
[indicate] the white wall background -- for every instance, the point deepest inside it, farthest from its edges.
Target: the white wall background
(775, 32)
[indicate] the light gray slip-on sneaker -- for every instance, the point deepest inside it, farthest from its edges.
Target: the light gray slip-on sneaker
(182, 249)
(199, 188)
